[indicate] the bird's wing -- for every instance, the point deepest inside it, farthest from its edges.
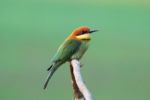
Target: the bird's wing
(66, 50)
(64, 53)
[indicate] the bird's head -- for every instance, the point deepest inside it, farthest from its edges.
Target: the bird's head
(82, 33)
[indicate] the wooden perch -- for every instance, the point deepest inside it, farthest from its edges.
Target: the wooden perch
(80, 90)
(77, 94)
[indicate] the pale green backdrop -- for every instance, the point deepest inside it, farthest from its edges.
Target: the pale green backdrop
(116, 66)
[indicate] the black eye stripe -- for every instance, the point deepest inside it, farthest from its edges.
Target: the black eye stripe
(82, 32)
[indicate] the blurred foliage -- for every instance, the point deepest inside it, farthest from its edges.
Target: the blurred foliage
(116, 66)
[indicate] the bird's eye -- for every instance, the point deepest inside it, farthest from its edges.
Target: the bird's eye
(82, 32)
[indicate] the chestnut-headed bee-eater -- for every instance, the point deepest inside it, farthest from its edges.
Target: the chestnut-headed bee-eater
(73, 47)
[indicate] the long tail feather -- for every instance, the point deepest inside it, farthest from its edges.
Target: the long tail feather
(47, 80)
(51, 71)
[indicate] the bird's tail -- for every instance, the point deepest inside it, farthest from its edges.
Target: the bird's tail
(51, 71)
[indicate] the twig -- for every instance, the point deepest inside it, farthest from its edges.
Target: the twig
(77, 94)
(78, 84)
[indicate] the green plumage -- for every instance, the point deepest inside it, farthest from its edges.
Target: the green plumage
(66, 50)
(70, 49)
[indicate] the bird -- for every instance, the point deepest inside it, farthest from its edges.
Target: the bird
(73, 47)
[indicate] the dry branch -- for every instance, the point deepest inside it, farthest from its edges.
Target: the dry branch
(80, 90)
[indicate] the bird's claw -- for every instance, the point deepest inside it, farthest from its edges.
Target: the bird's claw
(81, 65)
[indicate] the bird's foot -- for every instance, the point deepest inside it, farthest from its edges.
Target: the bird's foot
(81, 65)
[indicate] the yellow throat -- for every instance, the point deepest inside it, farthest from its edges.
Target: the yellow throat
(84, 37)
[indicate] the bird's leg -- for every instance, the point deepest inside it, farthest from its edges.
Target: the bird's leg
(77, 93)
(81, 65)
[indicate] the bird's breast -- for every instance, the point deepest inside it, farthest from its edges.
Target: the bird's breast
(82, 49)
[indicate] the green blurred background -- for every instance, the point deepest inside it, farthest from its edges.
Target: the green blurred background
(116, 66)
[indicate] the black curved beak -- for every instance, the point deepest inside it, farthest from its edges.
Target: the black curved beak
(92, 31)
